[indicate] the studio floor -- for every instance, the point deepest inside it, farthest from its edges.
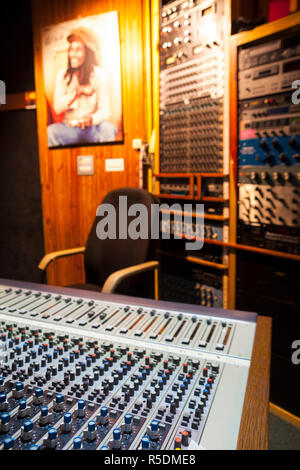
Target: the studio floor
(282, 435)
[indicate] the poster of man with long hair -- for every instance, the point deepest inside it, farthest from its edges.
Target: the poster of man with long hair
(82, 77)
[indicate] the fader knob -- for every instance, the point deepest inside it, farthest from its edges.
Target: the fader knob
(173, 408)
(149, 402)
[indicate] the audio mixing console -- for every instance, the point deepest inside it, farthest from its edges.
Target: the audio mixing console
(82, 370)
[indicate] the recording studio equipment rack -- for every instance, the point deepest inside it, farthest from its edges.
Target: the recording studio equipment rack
(264, 188)
(191, 87)
(269, 143)
(193, 161)
(82, 370)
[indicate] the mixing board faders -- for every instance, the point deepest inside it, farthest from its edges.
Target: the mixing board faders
(109, 372)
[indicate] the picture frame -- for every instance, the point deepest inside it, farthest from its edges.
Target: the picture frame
(82, 80)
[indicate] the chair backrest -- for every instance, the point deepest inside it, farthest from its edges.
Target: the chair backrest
(103, 257)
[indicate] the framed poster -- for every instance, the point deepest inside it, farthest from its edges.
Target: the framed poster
(82, 77)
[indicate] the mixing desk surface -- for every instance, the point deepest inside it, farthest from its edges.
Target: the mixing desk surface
(82, 370)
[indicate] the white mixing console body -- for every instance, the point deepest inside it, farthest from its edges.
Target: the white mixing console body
(147, 374)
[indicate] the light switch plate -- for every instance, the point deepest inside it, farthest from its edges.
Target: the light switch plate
(85, 165)
(114, 164)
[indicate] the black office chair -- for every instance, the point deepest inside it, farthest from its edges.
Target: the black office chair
(117, 265)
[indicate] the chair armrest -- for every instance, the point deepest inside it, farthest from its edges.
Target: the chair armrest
(115, 278)
(44, 263)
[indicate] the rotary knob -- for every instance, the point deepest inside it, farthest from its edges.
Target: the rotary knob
(145, 442)
(90, 434)
(77, 441)
(51, 441)
(276, 144)
(81, 408)
(8, 442)
(116, 443)
(4, 422)
(67, 423)
(3, 402)
(38, 396)
(59, 402)
(284, 159)
(45, 416)
(102, 419)
(263, 144)
(27, 430)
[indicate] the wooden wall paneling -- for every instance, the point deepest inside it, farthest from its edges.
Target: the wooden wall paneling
(294, 6)
(69, 200)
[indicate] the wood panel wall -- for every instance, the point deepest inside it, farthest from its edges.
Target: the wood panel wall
(70, 201)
